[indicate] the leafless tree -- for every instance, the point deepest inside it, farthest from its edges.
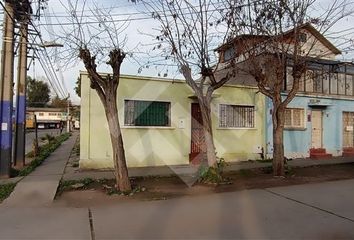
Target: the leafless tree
(273, 40)
(187, 34)
(93, 44)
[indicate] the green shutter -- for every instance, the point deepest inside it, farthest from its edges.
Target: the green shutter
(149, 113)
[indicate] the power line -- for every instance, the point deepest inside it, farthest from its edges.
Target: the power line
(134, 14)
(46, 56)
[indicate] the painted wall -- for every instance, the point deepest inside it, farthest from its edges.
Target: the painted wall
(155, 146)
(298, 142)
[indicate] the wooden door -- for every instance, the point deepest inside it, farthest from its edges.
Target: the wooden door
(317, 129)
(348, 127)
(197, 135)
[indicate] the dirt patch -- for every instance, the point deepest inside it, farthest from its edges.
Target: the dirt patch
(161, 188)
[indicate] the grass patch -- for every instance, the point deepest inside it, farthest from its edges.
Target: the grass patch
(74, 184)
(264, 161)
(136, 189)
(6, 190)
(245, 172)
(107, 185)
(44, 152)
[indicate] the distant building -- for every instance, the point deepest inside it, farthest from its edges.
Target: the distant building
(48, 117)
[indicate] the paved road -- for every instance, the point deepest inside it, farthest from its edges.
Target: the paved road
(314, 211)
(41, 132)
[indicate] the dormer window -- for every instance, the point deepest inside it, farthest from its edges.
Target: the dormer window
(302, 37)
(229, 53)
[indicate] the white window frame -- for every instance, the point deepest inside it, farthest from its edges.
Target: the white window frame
(292, 126)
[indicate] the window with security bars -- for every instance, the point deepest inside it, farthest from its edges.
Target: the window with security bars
(146, 113)
(236, 116)
(294, 118)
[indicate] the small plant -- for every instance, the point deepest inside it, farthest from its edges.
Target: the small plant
(74, 184)
(30, 154)
(49, 137)
(5, 190)
(136, 189)
(213, 175)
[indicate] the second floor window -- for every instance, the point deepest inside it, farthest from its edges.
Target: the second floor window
(323, 81)
(229, 53)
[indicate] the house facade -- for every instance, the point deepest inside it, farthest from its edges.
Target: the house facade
(321, 116)
(160, 121)
(319, 121)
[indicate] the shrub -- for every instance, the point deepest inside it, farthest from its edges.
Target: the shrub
(5, 190)
(214, 174)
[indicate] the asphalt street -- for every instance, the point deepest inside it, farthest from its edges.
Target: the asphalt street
(312, 211)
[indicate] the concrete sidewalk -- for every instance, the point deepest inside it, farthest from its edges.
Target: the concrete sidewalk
(40, 186)
(311, 211)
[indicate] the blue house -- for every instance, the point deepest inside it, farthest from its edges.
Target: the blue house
(319, 121)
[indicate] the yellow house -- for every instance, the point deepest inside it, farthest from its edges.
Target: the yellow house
(157, 124)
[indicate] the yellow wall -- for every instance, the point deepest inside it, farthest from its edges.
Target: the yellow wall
(156, 146)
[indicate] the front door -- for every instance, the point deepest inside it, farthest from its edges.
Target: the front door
(316, 129)
(348, 129)
(197, 134)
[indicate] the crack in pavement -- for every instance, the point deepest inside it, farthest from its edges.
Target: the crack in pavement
(309, 205)
(92, 231)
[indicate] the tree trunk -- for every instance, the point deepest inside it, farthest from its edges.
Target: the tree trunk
(208, 147)
(121, 170)
(278, 143)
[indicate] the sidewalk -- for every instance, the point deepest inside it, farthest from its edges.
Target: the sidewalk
(40, 186)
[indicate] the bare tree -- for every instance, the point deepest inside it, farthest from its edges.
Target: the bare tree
(94, 44)
(188, 32)
(273, 40)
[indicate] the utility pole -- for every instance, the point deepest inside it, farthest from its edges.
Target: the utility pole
(7, 65)
(20, 128)
(68, 113)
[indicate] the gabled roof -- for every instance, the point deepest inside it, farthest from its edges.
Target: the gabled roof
(319, 36)
(306, 26)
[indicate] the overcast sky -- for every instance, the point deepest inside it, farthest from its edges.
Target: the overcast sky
(137, 25)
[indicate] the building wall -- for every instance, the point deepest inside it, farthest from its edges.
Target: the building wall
(155, 146)
(298, 142)
(315, 48)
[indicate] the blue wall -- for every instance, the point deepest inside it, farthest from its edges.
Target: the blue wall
(298, 142)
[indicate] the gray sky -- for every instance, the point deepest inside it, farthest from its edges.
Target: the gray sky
(121, 9)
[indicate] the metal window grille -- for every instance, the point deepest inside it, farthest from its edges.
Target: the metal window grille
(235, 116)
(146, 113)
